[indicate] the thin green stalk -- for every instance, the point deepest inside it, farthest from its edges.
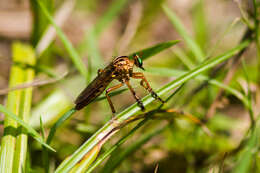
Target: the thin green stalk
(249, 96)
(68, 164)
(27, 54)
(61, 120)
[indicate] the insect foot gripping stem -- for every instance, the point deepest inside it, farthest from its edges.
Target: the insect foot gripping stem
(140, 104)
(154, 95)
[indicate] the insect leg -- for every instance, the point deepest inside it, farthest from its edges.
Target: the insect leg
(144, 83)
(108, 98)
(140, 104)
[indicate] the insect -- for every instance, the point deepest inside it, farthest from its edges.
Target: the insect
(121, 68)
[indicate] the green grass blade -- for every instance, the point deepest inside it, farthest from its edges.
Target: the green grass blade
(13, 105)
(27, 54)
(249, 95)
(67, 44)
(114, 147)
(52, 132)
(173, 72)
(40, 22)
(200, 24)
(87, 160)
(113, 11)
(90, 42)
(61, 120)
(112, 164)
(128, 135)
(29, 129)
(183, 58)
(194, 47)
(151, 51)
(249, 153)
(68, 164)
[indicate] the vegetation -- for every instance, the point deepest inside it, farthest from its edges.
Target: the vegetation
(202, 58)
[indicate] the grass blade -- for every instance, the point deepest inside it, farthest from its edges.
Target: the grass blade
(194, 47)
(200, 24)
(67, 115)
(151, 51)
(67, 44)
(13, 105)
(40, 22)
(250, 151)
(111, 165)
(61, 120)
(185, 59)
(119, 143)
(90, 42)
(68, 164)
(87, 160)
(112, 12)
(29, 129)
(27, 54)
(128, 135)
(173, 72)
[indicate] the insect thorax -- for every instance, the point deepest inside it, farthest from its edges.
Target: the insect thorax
(123, 67)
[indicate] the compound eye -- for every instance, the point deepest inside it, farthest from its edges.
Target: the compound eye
(140, 62)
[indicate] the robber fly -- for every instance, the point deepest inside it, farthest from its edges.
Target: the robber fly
(121, 68)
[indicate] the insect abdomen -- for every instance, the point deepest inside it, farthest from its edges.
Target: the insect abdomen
(94, 89)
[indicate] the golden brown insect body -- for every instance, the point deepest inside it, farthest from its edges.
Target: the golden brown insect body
(121, 68)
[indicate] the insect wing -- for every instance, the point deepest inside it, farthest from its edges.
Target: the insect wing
(93, 90)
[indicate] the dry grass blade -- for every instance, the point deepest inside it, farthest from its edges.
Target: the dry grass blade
(35, 83)
(60, 17)
(156, 168)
